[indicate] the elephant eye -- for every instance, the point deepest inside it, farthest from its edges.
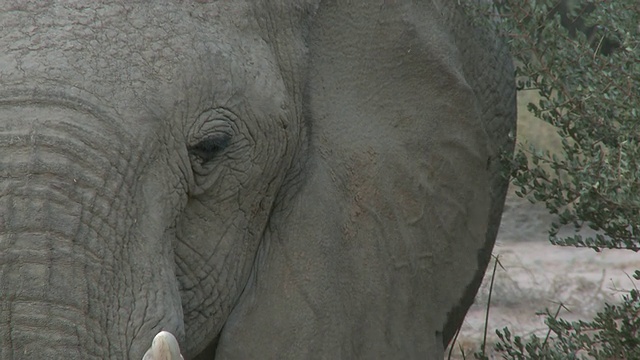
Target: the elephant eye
(207, 149)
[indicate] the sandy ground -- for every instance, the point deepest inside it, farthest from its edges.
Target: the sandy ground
(538, 275)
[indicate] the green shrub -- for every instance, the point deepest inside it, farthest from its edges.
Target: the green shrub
(592, 98)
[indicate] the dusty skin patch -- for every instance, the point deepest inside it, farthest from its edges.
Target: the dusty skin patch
(539, 275)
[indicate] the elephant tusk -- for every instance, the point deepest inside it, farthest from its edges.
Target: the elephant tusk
(163, 347)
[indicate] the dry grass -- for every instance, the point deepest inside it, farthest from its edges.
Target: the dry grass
(536, 276)
(532, 130)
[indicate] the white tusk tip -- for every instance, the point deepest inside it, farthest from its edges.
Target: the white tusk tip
(163, 347)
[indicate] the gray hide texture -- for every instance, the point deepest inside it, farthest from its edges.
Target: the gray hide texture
(261, 179)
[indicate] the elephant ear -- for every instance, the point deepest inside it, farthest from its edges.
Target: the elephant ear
(382, 248)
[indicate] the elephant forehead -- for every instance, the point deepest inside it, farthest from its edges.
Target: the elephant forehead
(137, 52)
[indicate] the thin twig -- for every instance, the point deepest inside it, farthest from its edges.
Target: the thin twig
(486, 315)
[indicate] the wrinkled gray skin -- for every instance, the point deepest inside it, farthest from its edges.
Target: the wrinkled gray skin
(262, 179)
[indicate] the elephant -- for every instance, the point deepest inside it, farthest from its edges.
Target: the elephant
(246, 179)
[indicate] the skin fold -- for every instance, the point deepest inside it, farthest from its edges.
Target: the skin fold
(261, 179)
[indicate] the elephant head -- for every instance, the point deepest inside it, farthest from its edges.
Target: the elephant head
(261, 179)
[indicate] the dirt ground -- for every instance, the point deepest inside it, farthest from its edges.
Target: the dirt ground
(538, 275)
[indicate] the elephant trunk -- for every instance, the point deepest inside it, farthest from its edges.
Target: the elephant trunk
(77, 280)
(40, 325)
(44, 289)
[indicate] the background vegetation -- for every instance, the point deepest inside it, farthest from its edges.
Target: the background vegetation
(578, 69)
